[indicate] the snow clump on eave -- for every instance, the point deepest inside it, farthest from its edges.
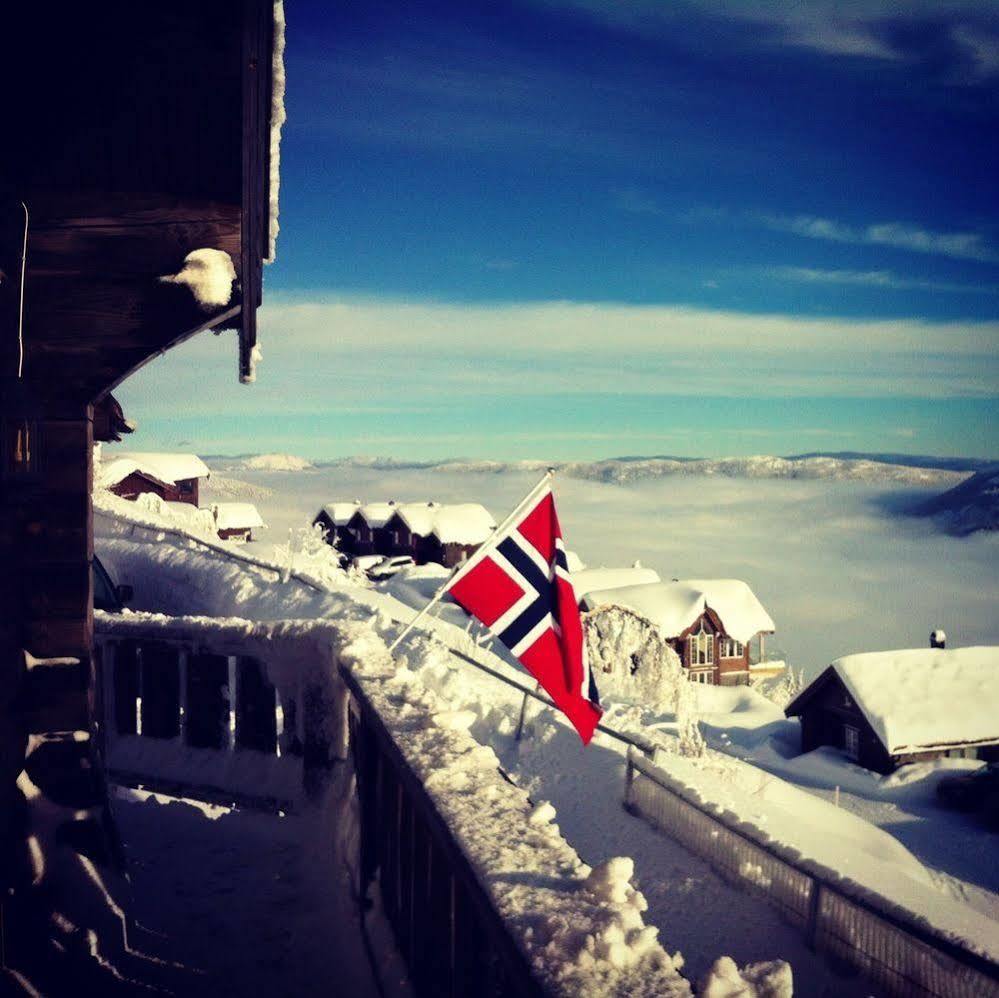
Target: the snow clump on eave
(210, 275)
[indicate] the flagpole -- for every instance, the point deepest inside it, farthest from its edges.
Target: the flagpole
(474, 560)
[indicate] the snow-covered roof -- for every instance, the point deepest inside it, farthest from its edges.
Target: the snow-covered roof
(341, 512)
(674, 606)
(236, 516)
(450, 523)
(463, 523)
(925, 698)
(418, 516)
(595, 579)
(166, 468)
(377, 514)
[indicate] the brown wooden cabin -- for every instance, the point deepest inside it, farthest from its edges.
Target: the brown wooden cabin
(705, 648)
(139, 482)
(333, 519)
(133, 134)
(710, 655)
(369, 533)
(172, 477)
(831, 716)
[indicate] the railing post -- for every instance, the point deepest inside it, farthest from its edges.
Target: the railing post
(814, 909)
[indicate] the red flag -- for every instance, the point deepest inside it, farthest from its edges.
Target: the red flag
(518, 585)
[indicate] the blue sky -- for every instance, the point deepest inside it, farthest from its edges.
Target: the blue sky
(578, 228)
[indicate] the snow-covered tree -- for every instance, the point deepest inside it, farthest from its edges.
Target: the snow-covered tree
(309, 553)
(631, 660)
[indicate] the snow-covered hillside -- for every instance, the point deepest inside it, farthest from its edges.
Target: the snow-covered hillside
(273, 462)
(972, 505)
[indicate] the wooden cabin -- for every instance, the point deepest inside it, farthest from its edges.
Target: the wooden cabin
(886, 709)
(443, 533)
(333, 519)
(709, 623)
(367, 528)
(138, 186)
(172, 477)
(236, 521)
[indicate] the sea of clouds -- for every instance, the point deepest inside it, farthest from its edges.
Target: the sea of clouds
(838, 572)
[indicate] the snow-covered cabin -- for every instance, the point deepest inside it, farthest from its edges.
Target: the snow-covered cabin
(458, 530)
(366, 529)
(885, 709)
(333, 518)
(236, 521)
(709, 623)
(173, 477)
(445, 533)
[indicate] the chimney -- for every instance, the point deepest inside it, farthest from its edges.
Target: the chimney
(938, 639)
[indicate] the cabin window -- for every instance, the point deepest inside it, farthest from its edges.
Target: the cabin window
(851, 741)
(702, 648)
(731, 648)
(185, 487)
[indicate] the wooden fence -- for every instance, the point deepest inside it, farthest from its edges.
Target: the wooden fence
(901, 959)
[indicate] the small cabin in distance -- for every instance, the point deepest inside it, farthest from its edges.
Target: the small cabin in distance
(886, 709)
(333, 519)
(444, 533)
(367, 528)
(172, 477)
(236, 521)
(709, 623)
(441, 533)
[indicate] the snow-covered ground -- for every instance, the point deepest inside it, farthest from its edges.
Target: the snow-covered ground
(696, 912)
(837, 571)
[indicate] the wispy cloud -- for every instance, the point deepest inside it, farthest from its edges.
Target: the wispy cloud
(355, 352)
(874, 279)
(882, 30)
(898, 235)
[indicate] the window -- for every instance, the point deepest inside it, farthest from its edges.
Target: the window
(851, 741)
(731, 648)
(702, 648)
(185, 487)
(705, 676)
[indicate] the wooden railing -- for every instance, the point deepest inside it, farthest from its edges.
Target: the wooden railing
(451, 937)
(192, 710)
(901, 957)
(189, 709)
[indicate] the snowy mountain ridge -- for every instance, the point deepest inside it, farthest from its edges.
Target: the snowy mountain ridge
(633, 469)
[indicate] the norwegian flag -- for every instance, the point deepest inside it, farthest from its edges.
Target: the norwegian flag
(518, 585)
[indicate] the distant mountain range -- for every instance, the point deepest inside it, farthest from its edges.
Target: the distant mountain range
(895, 468)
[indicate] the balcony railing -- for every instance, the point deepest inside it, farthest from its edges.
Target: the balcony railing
(257, 715)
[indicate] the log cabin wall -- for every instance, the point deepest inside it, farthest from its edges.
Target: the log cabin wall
(133, 134)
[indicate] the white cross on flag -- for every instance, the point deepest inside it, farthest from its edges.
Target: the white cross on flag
(518, 585)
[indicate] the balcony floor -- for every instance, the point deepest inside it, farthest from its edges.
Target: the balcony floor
(248, 903)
